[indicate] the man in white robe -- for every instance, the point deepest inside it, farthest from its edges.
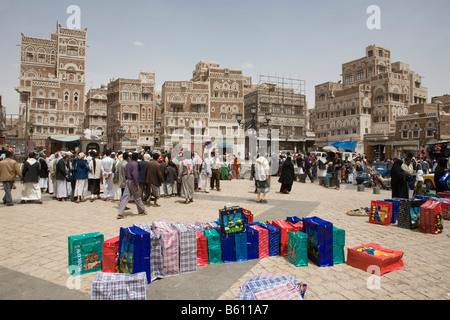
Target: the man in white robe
(107, 173)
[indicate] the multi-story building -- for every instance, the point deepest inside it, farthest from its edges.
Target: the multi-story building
(96, 113)
(284, 107)
(131, 113)
(185, 110)
(363, 106)
(52, 85)
(227, 88)
(204, 107)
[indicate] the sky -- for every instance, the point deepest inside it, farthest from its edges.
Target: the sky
(307, 40)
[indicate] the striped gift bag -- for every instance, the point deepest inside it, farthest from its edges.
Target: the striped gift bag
(156, 257)
(188, 247)
(119, 286)
(170, 247)
(263, 241)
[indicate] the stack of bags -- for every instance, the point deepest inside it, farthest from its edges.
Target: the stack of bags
(269, 286)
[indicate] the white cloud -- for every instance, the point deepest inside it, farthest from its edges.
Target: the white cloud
(138, 44)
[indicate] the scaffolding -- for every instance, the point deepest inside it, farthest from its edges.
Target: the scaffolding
(283, 84)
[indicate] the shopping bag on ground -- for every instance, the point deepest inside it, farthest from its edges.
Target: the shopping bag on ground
(134, 251)
(320, 241)
(298, 248)
(380, 212)
(85, 253)
(430, 220)
(374, 259)
(284, 227)
(263, 241)
(188, 247)
(252, 243)
(119, 286)
(338, 245)
(170, 248)
(240, 244)
(214, 246)
(227, 242)
(110, 255)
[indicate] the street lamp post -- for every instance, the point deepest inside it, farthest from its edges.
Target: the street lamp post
(439, 103)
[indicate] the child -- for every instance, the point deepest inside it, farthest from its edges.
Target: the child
(418, 188)
(330, 174)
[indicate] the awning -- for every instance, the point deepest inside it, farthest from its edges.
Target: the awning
(65, 138)
(347, 145)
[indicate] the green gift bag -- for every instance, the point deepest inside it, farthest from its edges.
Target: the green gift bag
(214, 246)
(297, 251)
(338, 245)
(85, 253)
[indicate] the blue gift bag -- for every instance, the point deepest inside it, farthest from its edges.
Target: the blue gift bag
(445, 181)
(320, 241)
(134, 251)
(228, 252)
(395, 209)
(252, 243)
(294, 219)
(240, 244)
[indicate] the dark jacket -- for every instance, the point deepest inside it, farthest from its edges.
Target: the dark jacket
(43, 172)
(142, 167)
(81, 169)
(30, 172)
(399, 181)
(171, 174)
(60, 169)
(154, 175)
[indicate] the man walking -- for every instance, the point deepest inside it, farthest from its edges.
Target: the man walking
(9, 170)
(154, 178)
(215, 171)
(131, 188)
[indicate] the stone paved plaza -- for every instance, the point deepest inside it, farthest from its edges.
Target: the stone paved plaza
(34, 249)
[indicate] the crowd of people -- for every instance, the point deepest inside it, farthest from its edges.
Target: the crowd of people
(145, 177)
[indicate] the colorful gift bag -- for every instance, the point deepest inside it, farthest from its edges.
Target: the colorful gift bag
(374, 259)
(110, 255)
(430, 220)
(395, 209)
(85, 253)
(156, 258)
(227, 242)
(202, 249)
(232, 220)
(380, 212)
(119, 286)
(240, 245)
(188, 247)
(445, 181)
(338, 245)
(298, 248)
(214, 246)
(284, 227)
(274, 238)
(252, 243)
(296, 222)
(248, 216)
(320, 241)
(134, 251)
(170, 247)
(263, 240)
(445, 209)
(409, 212)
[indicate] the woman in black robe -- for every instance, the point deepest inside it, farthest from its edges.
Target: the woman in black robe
(287, 176)
(399, 181)
(439, 172)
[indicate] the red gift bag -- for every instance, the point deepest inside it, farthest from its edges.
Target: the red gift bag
(445, 209)
(284, 227)
(263, 241)
(430, 218)
(202, 249)
(374, 259)
(248, 214)
(380, 212)
(110, 255)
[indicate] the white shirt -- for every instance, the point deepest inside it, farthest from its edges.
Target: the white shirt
(261, 167)
(107, 164)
